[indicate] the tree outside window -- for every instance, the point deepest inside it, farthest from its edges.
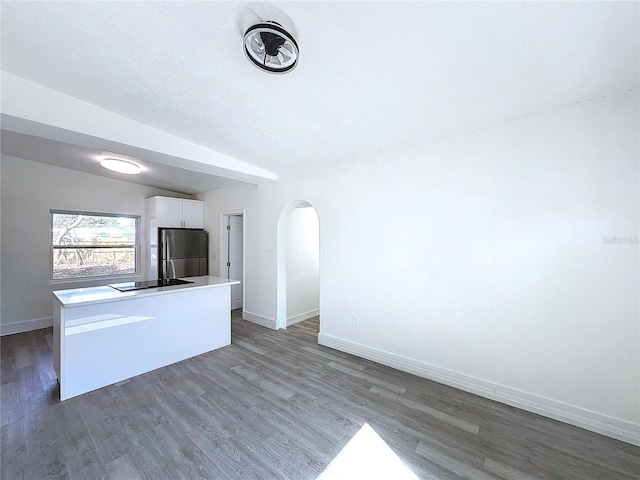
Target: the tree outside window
(86, 245)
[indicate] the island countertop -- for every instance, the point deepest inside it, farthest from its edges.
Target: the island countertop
(76, 297)
(103, 336)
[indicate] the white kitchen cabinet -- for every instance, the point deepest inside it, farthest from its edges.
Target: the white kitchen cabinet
(193, 213)
(176, 212)
(169, 212)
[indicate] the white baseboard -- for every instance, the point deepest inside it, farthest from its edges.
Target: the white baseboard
(25, 326)
(571, 414)
(259, 319)
(301, 317)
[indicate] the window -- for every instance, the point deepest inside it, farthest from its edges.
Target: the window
(86, 245)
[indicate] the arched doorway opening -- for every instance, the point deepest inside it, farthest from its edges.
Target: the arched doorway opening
(298, 264)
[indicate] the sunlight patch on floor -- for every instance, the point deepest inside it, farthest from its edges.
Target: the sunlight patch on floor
(367, 456)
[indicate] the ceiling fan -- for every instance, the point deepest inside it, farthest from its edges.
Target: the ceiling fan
(270, 47)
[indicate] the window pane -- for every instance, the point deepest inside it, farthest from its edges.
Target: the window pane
(93, 262)
(72, 229)
(92, 245)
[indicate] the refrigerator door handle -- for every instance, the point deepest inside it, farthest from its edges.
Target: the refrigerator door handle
(170, 260)
(167, 258)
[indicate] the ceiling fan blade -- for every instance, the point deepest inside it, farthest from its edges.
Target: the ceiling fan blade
(284, 55)
(288, 48)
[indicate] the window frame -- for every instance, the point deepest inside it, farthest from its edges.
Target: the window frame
(136, 245)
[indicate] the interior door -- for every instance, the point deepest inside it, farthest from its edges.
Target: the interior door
(235, 260)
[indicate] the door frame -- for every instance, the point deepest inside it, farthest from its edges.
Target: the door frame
(281, 260)
(224, 241)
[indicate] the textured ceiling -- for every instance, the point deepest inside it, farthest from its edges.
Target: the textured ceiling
(371, 75)
(87, 160)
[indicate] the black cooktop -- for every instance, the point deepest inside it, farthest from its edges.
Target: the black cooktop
(166, 282)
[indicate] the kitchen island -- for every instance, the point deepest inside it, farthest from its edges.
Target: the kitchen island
(103, 336)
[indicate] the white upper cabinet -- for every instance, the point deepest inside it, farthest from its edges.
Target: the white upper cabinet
(169, 212)
(176, 212)
(193, 213)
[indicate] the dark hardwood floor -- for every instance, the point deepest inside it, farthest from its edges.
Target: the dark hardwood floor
(275, 404)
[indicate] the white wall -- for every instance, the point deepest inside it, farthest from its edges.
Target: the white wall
(479, 260)
(29, 191)
(302, 264)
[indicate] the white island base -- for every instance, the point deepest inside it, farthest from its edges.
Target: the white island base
(103, 336)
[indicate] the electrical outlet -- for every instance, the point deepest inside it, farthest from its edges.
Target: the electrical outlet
(215, 255)
(269, 252)
(355, 321)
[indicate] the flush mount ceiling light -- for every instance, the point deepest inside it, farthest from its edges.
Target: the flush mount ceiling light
(271, 48)
(121, 166)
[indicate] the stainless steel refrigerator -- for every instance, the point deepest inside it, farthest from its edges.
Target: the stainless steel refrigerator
(183, 253)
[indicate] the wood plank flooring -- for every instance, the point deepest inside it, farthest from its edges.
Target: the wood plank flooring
(276, 405)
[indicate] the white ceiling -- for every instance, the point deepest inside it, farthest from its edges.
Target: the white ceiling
(371, 75)
(79, 157)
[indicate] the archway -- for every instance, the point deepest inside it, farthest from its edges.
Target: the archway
(297, 264)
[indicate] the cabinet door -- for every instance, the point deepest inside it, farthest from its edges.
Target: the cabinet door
(193, 214)
(169, 211)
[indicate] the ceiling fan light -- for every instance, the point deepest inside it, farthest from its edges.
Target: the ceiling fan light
(271, 48)
(121, 166)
